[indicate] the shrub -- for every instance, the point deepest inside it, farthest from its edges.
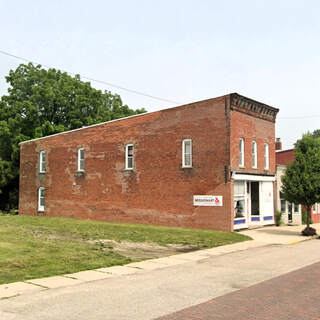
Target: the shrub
(304, 218)
(309, 231)
(279, 221)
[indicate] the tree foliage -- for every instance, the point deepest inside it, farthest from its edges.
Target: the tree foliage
(316, 133)
(301, 181)
(42, 102)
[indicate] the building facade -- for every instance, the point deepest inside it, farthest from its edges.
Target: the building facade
(209, 164)
(291, 213)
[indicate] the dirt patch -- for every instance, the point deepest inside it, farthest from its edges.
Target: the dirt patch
(132, 250)
(143, 250)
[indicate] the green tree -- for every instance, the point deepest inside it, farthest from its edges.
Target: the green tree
(301, 181)
(316, 133)
(42, 102)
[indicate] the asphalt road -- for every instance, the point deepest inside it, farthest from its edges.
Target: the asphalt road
(152, 294)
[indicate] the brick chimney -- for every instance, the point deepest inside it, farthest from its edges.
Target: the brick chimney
(278, 145)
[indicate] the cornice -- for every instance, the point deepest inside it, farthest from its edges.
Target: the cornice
(252, 107)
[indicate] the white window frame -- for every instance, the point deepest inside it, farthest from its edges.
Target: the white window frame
(40, 206)
(79, 159)
(184, 164)
(254, 154)
(314, 208)
(127, 157)
(241, 152)
(42, 162)
(266, 156)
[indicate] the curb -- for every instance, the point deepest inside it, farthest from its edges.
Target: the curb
(53, 282)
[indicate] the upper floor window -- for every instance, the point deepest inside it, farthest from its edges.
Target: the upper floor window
(41, 199)
(187, 153)
(129, 156)
(42, 162)
(241, 152)
(254, 154)
(81, 159)
(266, 156)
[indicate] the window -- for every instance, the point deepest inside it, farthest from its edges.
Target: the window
(241, 152)
(129, 157)
(42, 162)
(187, 153)
(296, 208)
(41, 199)
(254, 154)
(314, 208)
(266, 156)
(81, 159)
(239, 199)
(283, 205)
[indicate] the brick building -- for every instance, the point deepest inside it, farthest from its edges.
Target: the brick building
(291, 213)
(208, 164)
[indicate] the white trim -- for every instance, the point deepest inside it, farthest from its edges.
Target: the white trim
(266, 156)
(249, 177)
(184, 165)
(41, 162)
(127, 157)
(79, 160)
(254, 154)
(40, 207)
(241, 152)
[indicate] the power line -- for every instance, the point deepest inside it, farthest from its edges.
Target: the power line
(92, 79)
(301, 117)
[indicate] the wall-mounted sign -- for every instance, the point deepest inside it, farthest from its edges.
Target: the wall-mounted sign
(207, 201)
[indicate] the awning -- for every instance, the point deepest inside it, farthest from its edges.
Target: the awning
(251, 177)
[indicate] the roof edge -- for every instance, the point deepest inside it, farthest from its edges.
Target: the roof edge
(114, 120)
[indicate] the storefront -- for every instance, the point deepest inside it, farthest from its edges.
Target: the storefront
(253, 200)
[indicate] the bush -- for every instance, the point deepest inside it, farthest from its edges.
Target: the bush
(304, 218)
(309, 231)
(279, 220)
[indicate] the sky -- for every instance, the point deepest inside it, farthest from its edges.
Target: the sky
(179, 50)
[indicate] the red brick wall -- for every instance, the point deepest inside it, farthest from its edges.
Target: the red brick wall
(285, 157)
(158, 191)
(251, 128)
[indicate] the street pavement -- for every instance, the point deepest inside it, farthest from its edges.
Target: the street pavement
(156, 288)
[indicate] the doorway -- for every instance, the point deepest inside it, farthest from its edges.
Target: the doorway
(255, 200)
(290, 209)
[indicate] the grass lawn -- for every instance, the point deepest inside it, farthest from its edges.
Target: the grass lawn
(34, 247)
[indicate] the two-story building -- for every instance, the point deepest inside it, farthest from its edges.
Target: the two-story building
(208, 164)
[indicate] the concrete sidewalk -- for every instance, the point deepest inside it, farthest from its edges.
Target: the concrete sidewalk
(261, 237)
(279, 235)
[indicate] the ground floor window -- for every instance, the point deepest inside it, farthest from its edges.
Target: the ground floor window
(283, 205)
(41, 199)
(239, 199)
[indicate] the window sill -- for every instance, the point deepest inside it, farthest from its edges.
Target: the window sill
(79, 174)
(186, 167)
(129, 169)
(40, 211)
